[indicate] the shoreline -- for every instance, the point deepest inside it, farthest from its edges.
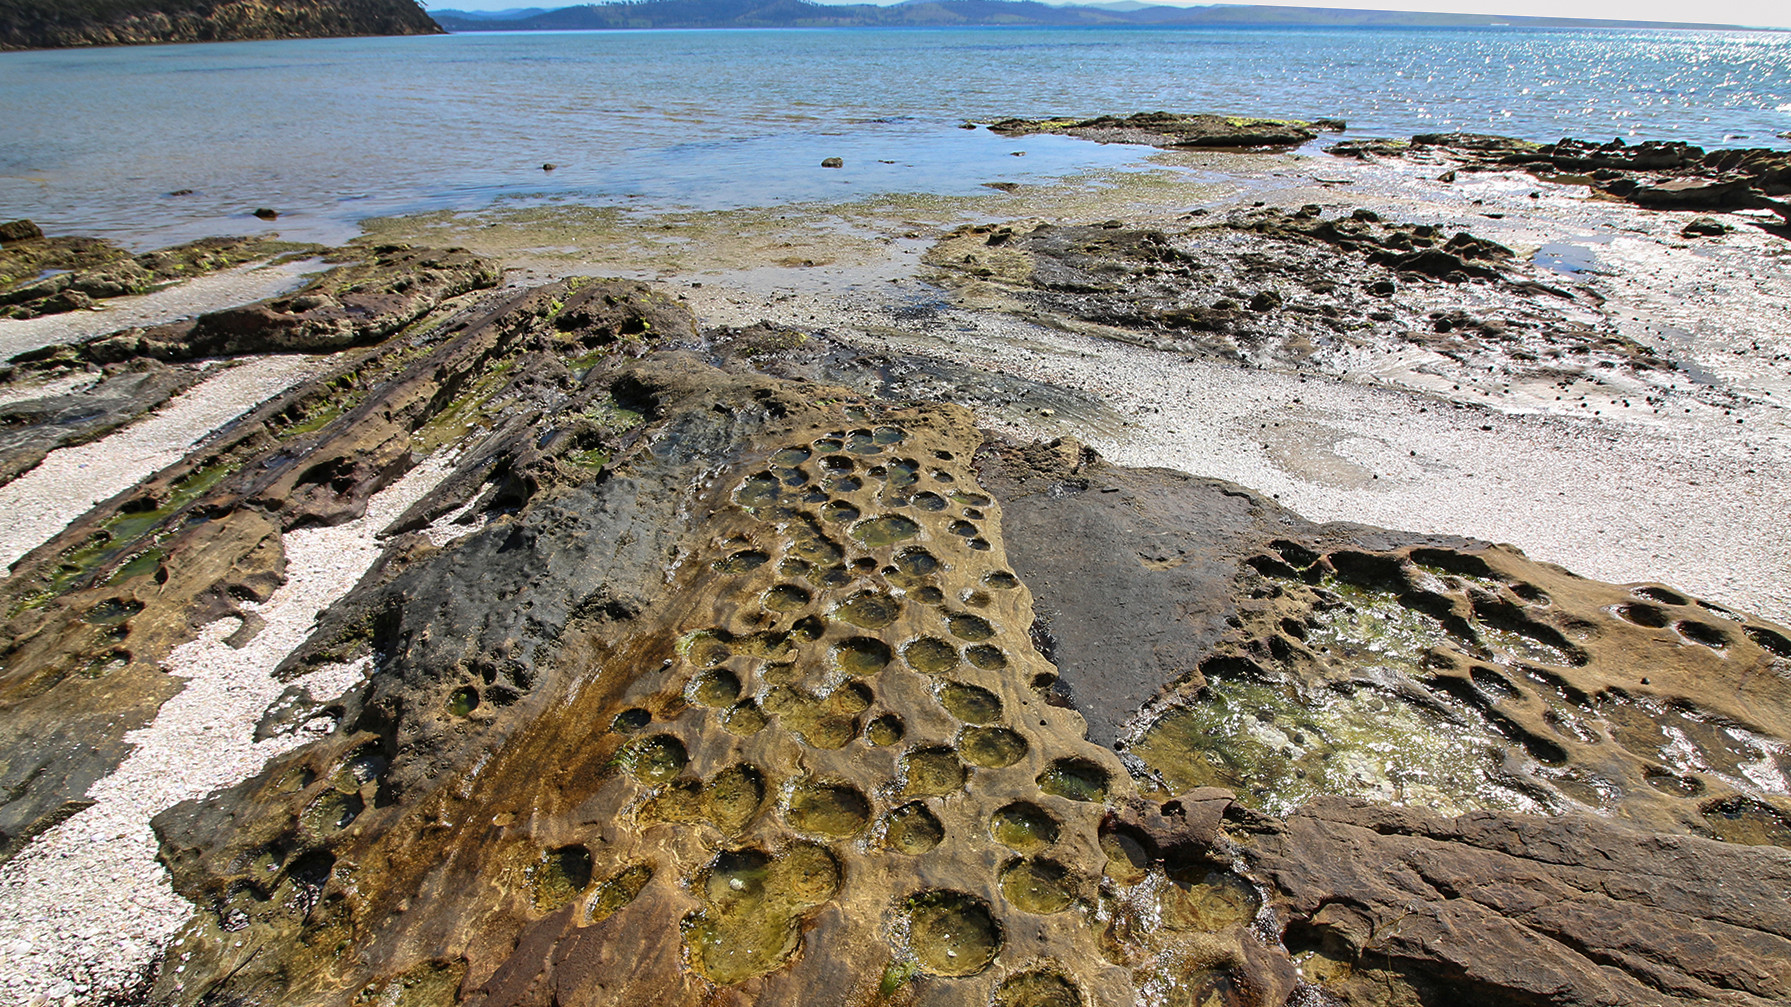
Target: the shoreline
(850, 267)
(1394, 442)
(861, 279)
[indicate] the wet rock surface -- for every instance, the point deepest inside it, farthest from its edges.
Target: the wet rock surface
(728, 666)
(372, 295)
(1312, 288)
(31, 428)
(1473, 678)
(1389, 905)
(1659, 175)
(1176, 130)
(45, 276)
(92, 613)
(1157, 577)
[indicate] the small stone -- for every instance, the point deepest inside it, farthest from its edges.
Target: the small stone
(549, 166)
(1705, 227)
(266, 213)
(833, 162)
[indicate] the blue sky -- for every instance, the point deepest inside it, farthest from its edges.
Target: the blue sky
(1770, 13)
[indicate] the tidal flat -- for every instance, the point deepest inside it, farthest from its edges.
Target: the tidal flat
(1254, 577)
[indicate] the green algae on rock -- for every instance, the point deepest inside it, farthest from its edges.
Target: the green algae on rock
(1176, 130)
(658, 731)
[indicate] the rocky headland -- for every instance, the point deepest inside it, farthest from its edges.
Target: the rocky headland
(56, 24)
(569, 646)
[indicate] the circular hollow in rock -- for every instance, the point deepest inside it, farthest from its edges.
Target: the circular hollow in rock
(991, 747)
(932, 772)
(656, 759)
(631, 720)
(885, 730)
(886, 530)
(912, 829)
(986, 656)
(951, 933)
(1076, 779)
(1038, 989)
(830, 810)
(861, 655)
(1023, 826)
(463, 701)
(965, 626)
(742, 561)
(868, 609)
(790, 457)
(971, 704)
(930, 655)
(1038, 886)
(786, 598)
(559, 876)
(715, 687)
(927, 500)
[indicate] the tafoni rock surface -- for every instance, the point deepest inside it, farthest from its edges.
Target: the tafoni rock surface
(707, 665)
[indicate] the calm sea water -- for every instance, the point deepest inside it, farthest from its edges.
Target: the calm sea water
(333, 131)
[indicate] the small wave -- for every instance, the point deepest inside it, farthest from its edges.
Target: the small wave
(1786, 108)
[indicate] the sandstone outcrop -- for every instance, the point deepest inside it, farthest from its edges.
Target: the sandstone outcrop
(92, 613)
(728, 667)
(1298, 289)
(46, 276)
(369, 295)
(1657, 174)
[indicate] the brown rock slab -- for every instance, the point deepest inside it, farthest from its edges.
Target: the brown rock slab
(1176, 130)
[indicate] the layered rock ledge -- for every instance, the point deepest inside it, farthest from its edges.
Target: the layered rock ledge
(724, 666)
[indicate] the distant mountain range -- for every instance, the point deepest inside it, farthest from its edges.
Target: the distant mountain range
(942, 13)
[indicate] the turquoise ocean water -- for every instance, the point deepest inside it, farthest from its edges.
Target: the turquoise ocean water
(337, 130)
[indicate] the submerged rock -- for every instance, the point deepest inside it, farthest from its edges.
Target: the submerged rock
(1176, 130)
(19, 230)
